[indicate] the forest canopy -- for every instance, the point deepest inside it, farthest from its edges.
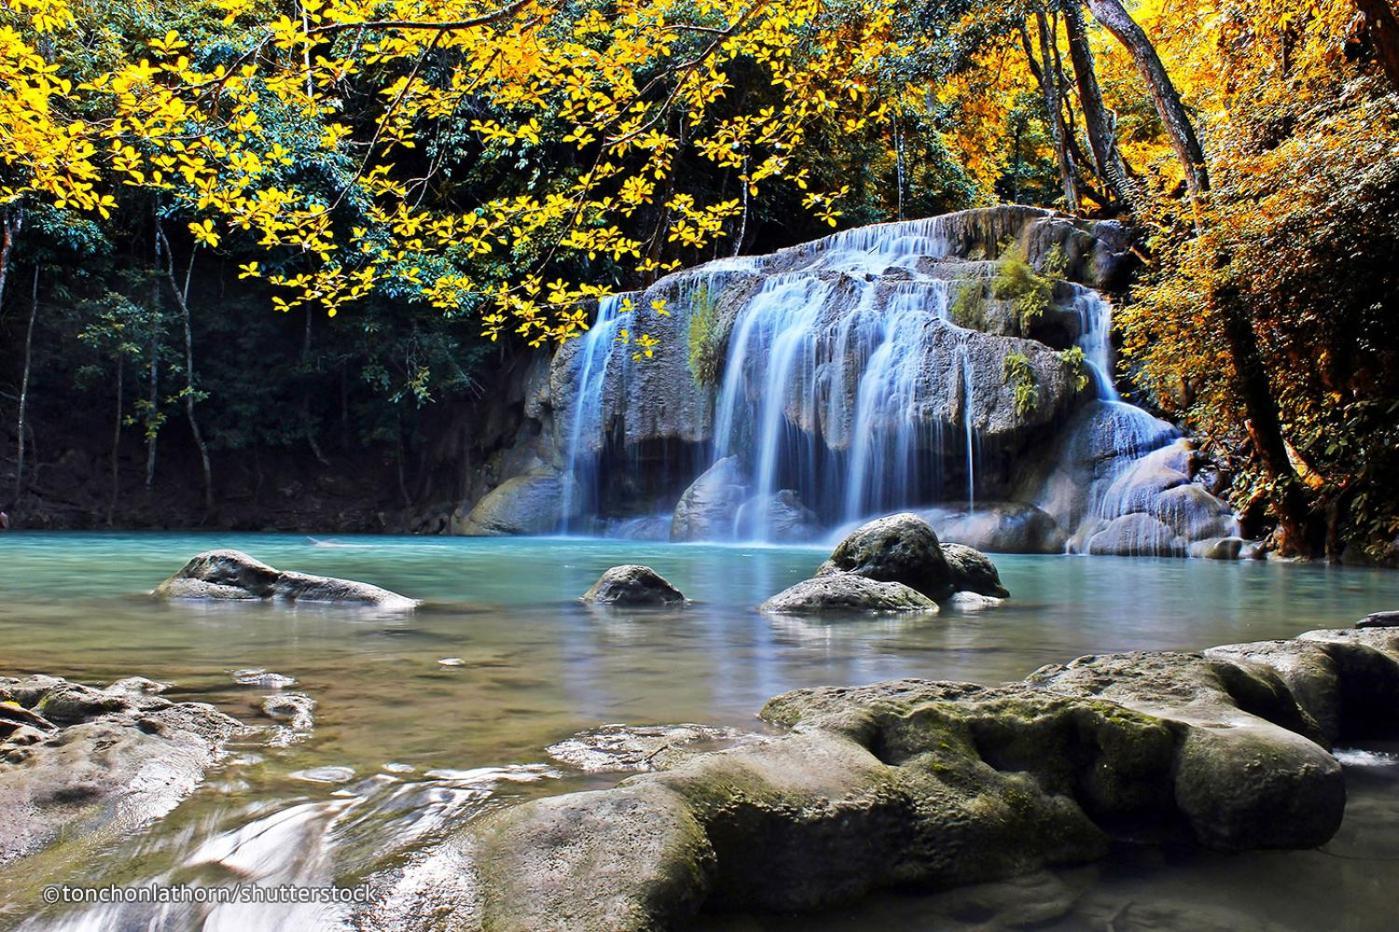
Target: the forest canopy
(438, 176)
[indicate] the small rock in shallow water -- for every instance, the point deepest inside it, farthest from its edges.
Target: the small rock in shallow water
(396, 767)
(294, 709)
(1379, 620)
(325, 775)
(972, 602)
(257, 676)
(847, 592)
(451, 662)
(137, 686)
(633, 585)
(628, 747)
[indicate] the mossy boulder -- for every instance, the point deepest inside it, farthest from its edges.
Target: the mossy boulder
(901, 548)
(973, 571)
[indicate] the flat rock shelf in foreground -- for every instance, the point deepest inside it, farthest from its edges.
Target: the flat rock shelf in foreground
(915, 783)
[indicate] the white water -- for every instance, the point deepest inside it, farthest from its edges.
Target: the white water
(846, 387)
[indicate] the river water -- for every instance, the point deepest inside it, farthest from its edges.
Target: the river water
(405, 747)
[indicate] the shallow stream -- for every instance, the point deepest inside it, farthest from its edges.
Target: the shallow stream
(405, 747)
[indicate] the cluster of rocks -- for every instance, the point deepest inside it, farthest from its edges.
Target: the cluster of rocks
(80, 765)
(893, 564)
(923, 784)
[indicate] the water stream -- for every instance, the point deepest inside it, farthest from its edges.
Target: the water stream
(405, 748)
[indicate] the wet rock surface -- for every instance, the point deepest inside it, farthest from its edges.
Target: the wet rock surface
(634, 585)
(231, 575)
(80, 765)
(613, 748)
(900, 548)
(847, 592)
(973, 571)
(934, 785)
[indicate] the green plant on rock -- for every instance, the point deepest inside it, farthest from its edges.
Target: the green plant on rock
(706, 350)
(968, 309)
(1077, 364)
(1020, 376)
(1030, 292)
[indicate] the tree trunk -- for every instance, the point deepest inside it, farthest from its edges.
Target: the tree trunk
(24, 386)
(182, 301)
(1383, 30)
(153, 350)
(1058, 130)
(9, 225)
(116, 441)
(1102, 133)
(1116, 20)
(1264, 425)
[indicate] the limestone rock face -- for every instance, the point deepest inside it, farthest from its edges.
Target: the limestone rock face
(633, 585)
(1121, 484)
(998, 527)
(899, 548)
(708, 510)
(233, 575)
(780, 517)
(847, 592)
(82, 766)
(534, 503)
(934, 784)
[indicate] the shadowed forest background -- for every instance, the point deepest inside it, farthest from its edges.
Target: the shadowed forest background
(277, 264)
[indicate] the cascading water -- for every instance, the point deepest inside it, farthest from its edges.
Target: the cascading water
(845, 389)
(597, 355)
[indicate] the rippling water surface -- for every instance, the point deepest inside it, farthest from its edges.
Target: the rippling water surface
(404, 746)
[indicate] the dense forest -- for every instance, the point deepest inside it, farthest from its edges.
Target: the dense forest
(270, 258)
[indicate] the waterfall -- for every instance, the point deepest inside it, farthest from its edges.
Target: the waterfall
(968, 430)
(1095, 339)
(845, 390)
(596, 354)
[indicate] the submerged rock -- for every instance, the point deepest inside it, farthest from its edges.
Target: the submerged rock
(632, 584)
(233, 575)
(640, 747)
(294, 712)
(81, 766)
(899, 548)
(931, 785)
(847, 592)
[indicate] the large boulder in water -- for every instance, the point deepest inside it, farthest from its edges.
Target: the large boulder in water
(708, 509)
(899, 548)
(847, 592)
(973, 571)
(631, 584)
(530, 504)
(81, 766)
(235, 576)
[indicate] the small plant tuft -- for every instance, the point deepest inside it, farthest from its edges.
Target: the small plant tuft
(1020, 375)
